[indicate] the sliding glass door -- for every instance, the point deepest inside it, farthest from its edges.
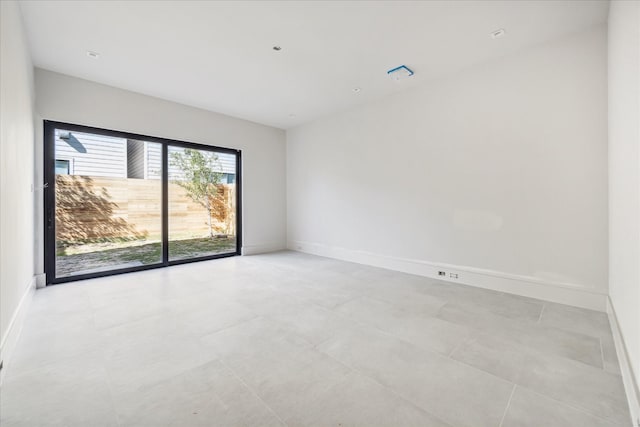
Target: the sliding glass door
(117, 202)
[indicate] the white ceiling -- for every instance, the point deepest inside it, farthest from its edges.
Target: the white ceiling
(218, 55)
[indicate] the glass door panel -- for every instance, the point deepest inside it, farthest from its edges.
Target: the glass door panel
(202, 199)
(107, 203)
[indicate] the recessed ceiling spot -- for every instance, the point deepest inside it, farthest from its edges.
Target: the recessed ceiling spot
(277, 48)
(92, 54)
(356, 89)
(293, 116)
(399, 73)
(497, 33)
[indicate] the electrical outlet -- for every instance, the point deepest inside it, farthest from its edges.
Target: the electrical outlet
(453, 275)
(441, 273)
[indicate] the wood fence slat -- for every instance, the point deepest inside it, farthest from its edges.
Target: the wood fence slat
(103, 207)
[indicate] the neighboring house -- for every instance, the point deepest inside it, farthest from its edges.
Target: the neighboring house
(88, 154)
(97, 155)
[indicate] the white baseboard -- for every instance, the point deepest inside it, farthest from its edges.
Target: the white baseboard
(262, 248)
(10, 338)
(628, 377)
(533, 287)
(41, 281)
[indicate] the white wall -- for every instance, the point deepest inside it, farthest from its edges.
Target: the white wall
(624, 173)
(499, 170)
(63, 98)
(16, 172)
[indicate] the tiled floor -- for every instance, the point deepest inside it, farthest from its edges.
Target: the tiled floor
(297, 340)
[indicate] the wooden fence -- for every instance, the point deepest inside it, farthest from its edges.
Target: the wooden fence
(94, 208)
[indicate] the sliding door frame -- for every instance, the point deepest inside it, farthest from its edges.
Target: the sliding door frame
(50, 200)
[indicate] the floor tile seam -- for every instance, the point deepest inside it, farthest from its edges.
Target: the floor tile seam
(198, 336)
(384, 386)
(581, 333)
(602, 353)
(617, 373)
(389, 334)
(437, 353)
(539, 322)
(299, 347)
(51, 312)
(574, 331)
(111, 394)
(460, 344)
(496, 317)
(573, 406)
(519, 383)
(378, 299)
(181, 374)
(472, 334)
(475, 368)
(311, 344)
(533, 351)
(253, 392)
(36, 332)
(102, 364)
(115, 325)
(320, 343)
(42, 364)
(335, 307)
(392, 303)
(197, 340)
(257, 316)
(506, 409)
(495, 377)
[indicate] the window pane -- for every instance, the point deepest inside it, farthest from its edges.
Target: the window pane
(62, 167)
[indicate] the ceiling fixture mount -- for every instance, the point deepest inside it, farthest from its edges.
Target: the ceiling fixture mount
(399, 73)
(92, 54)
(356, 89)
(497, 33)
(277, 48)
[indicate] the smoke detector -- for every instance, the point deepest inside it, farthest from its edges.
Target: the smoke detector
(399, 73)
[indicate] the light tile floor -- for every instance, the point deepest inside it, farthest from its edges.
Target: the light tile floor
(298, 340)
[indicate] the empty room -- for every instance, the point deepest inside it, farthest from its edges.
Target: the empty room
(320, 213)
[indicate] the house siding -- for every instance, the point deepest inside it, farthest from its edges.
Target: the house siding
(154, 160)
(92, 155)
(98, 155)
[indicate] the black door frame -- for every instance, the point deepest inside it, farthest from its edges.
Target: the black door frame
(49, 200)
